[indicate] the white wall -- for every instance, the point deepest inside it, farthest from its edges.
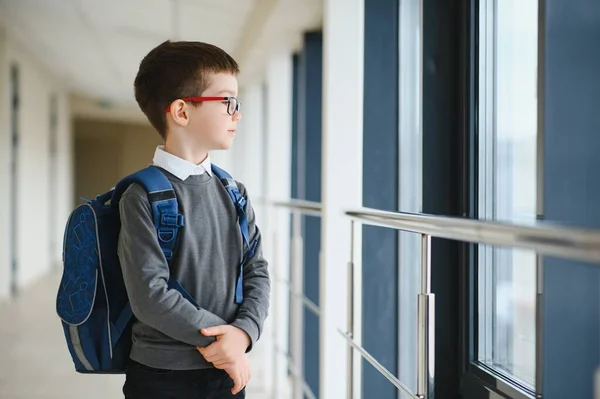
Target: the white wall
(34, 191)
(4, 170)
(277, 185)
(342, 173)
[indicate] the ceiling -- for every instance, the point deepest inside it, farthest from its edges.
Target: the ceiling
(95, 47)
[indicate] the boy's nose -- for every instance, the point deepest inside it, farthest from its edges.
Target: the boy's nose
(237, 116)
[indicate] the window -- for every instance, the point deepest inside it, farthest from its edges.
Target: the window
(507, 186)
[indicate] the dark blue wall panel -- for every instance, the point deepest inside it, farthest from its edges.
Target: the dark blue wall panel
(310, 70)
(295, 95)
(294, 168)
(380, 190)
(441, 175)
(571, 192)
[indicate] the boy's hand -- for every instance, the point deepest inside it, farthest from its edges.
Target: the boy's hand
(230, 345)
(239, 372)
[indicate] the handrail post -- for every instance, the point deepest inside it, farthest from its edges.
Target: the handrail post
(426, 326)
(297, 308)
(350, 325)
(276, 331)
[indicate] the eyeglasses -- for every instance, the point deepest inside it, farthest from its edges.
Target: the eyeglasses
(233, 104)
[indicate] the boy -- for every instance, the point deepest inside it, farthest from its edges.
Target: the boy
(188, 92)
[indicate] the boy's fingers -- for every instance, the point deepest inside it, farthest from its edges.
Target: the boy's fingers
(222, 365)
(237, 385)
(211, 359)
(213, 331)
(214, 358)
(202, 351)
(244, 378)
(209, 351)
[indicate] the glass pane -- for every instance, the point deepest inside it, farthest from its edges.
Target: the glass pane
(507, 184)
(410, 187)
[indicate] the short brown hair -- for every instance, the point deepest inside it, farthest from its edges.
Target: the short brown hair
(175, 70)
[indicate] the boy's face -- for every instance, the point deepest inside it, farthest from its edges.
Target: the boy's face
(210, 126)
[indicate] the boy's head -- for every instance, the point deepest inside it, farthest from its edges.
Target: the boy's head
(180, 88)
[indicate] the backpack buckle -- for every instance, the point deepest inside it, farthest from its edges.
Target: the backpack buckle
(168, 254)
(166, 234)
(240, 204)
(169, 220)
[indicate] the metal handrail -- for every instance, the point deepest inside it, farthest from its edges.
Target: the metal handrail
(541, 237)
(544, 238)
(310, 208)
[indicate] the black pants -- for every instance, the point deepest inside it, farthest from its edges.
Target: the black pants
(143, 382)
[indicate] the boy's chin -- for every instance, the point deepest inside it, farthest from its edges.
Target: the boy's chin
(225, 145)
(220, 146)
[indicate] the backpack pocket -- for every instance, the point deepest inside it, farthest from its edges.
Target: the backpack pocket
(77, 289)
(77, 294)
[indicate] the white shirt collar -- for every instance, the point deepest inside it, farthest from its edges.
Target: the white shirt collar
(178, 166)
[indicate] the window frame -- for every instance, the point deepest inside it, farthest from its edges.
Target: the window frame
(479, 380)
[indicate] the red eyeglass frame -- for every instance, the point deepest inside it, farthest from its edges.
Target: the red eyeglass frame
(202, 99)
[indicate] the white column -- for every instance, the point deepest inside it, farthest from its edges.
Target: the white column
(65, 173)
(277, 187)
(4, 171)
(247, 165)
(343, 45)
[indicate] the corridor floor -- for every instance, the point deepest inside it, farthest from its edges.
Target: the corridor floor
(34, 361)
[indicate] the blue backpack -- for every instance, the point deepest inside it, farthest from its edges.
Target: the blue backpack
(92, 300)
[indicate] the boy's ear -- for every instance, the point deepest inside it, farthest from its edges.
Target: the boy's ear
(179, 111)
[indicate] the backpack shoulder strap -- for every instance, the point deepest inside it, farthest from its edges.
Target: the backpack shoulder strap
(236, 198)
(240, 206)
(165, 209)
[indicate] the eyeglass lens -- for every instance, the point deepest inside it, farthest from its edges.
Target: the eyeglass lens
(233, 106)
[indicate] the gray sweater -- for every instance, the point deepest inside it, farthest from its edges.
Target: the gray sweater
(206, 263)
